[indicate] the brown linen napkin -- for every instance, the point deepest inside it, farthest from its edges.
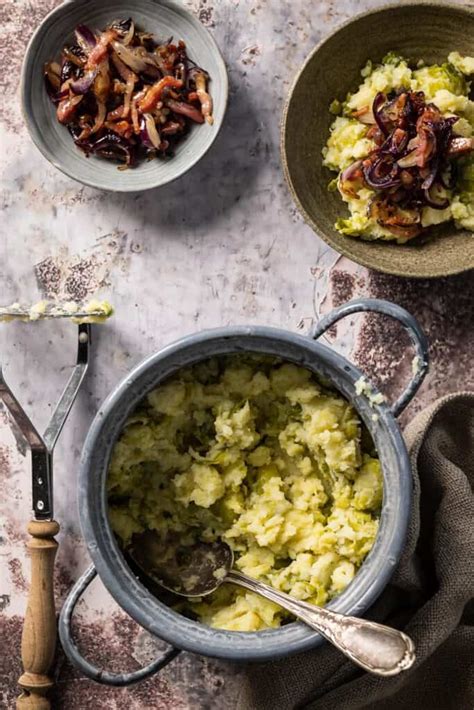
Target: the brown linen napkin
(430, 596)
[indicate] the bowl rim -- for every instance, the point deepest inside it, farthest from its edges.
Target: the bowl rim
(368, 262)
(43, 147)
(161, 620)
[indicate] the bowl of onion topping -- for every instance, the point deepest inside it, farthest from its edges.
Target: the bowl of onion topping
(120, 97)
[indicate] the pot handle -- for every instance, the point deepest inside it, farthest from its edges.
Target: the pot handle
(417, 337)
(88, 669)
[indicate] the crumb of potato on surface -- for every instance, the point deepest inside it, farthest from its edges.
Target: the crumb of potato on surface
(365, 388)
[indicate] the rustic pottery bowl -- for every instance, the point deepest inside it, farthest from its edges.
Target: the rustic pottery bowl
(427, 31)
(164, 18)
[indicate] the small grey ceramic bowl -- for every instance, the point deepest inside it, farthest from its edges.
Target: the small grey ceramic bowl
(164, 18)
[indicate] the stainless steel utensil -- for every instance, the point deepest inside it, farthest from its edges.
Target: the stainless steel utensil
(39, 631)
(198, 570)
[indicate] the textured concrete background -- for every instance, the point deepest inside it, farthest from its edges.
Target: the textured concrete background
(237, 253)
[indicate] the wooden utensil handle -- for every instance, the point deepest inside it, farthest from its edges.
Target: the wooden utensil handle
(38, 641)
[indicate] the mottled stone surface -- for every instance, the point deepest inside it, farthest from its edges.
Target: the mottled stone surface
(223, 245)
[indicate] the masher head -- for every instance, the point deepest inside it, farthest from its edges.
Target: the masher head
(42, 447)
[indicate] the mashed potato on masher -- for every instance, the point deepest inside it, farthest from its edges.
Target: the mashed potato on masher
(258, 453)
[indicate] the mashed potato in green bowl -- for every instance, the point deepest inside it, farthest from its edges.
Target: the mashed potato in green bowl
(402, 147)
(259, 453)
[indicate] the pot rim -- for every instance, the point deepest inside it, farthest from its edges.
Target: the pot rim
(154, 615)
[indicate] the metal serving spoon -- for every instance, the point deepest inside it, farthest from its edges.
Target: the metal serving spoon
(198, 570)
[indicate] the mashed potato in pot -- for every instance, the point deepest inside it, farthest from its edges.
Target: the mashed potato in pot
(257, 452)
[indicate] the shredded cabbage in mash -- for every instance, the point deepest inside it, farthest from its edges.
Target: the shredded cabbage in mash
(445, 86)
(258, 453)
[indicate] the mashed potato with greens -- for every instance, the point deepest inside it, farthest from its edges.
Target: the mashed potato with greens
(351, 139)
(256, 452)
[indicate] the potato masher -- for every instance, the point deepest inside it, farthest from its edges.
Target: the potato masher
(38, 641)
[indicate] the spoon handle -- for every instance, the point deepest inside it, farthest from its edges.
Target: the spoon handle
(376, 648)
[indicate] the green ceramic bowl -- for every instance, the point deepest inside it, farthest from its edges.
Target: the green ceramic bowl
(164, 18)
(426, 31)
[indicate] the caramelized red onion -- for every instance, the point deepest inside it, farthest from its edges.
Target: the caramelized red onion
(67, 108)
(204, 98)
(382, 173)
(84, 83)
(75, 55)
(404, 223)
(154, 93)
(185, 109)
(412, 165)
(123, 96)
(113, 147)
(85, 38)
(148, 133)
(171, 128)
(129, 57)
(379, 101)
(350, 179)
(125, 29)
(52, 79)
(395, 143)
(435, 201)
(409, 160)
(68, 71)
(364, 115)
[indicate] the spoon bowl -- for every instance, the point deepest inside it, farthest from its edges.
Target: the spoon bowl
(198, 569)
(190, 571)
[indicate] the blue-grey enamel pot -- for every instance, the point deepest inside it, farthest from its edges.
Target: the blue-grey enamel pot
(108, 561)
